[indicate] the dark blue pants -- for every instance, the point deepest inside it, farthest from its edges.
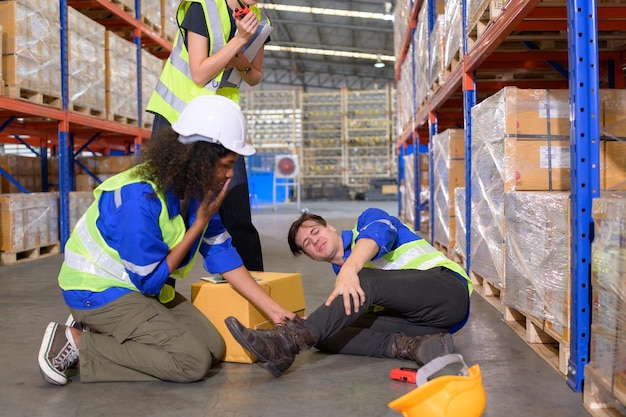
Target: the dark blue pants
(415, 303)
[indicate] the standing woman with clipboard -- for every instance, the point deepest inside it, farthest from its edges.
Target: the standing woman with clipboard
(220, 43)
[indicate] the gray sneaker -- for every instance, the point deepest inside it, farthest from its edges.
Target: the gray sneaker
(56, 354)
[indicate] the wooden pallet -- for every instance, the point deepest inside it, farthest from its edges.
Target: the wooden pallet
(13, 258)
(458, 258)
(481, 20)
(156, 27)
(126, 5)
(122, 119)
(33, 96)
(491, 292)
(445, 249)
(550, 346)
(456, 59)
(597, 397)
(99, 113)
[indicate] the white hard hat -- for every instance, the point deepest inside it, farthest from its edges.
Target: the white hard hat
(215, 119)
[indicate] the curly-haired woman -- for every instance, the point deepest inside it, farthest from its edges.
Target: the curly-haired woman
(147, 226)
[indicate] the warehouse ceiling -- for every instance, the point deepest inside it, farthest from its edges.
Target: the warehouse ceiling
(286, 64)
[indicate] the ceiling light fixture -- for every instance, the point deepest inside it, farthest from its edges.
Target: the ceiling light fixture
(379, 64)
(325, 11)
(387, 15)
(331, 52)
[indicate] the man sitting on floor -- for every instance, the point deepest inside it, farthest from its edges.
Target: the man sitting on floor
(395, 296)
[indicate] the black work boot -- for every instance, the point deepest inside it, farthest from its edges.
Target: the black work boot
(422, 349)
(276, 347)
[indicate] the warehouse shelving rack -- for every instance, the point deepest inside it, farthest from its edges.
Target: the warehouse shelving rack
(68, 133)
(274, 121)
(591, 61)
(368, 137)
(322, 139)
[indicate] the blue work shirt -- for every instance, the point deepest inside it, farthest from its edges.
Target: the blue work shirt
(132, 229)
(387, 231)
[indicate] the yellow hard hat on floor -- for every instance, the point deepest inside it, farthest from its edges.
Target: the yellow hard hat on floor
(445, 396)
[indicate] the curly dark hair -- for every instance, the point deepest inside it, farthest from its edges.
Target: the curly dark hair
(295, 226)
(187, 170)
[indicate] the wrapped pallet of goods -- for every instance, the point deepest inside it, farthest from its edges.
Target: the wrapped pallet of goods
(405, 96)
(170, 27)
(448, 154)
(613, 133)
(121, 79)
(520, 142)
(31, 63)
(420, 57)
(436, 54)
(605, 375)
(151, 14)
(453, 46)
(407, 189)
(28, 226)
(86, 72)
(151, 67)
(460, 227)
(411, 200)
(538, 241)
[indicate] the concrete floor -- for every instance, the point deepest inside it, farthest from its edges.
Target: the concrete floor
(517, 381)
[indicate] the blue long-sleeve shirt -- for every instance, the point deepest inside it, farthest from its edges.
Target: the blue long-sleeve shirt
(132, 229)
(387, 231)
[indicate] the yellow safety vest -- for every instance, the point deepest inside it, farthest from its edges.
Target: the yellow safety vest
(92, 265)
(416, 254)
(175, 87)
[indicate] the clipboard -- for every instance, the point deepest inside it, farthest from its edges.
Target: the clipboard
(250, 50)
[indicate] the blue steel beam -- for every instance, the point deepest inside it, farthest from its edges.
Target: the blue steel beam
(553, 64)
(13, 181)
(23, 142)
(469, 101)
(433, 125)
(7, 123)
(65, 153)
(86, 145)
(585, 177)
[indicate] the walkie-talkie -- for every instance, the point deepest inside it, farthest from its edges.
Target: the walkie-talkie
(243, 11)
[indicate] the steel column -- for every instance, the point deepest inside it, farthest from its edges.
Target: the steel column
(65, 153)
(585, 159)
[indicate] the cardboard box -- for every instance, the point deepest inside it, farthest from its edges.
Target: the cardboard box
(219, 301)
(613, 166)
(612, 114)
(515, 111)
(30, 46)
(537, 165)
(28, 221)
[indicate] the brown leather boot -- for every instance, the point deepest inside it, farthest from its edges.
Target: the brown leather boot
(276, 347)
(422, 349)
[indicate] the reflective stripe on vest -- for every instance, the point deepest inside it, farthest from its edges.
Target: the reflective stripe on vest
(428, 256)
(416, 254)
(217, 239)
(176, 87)
(90, 264)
